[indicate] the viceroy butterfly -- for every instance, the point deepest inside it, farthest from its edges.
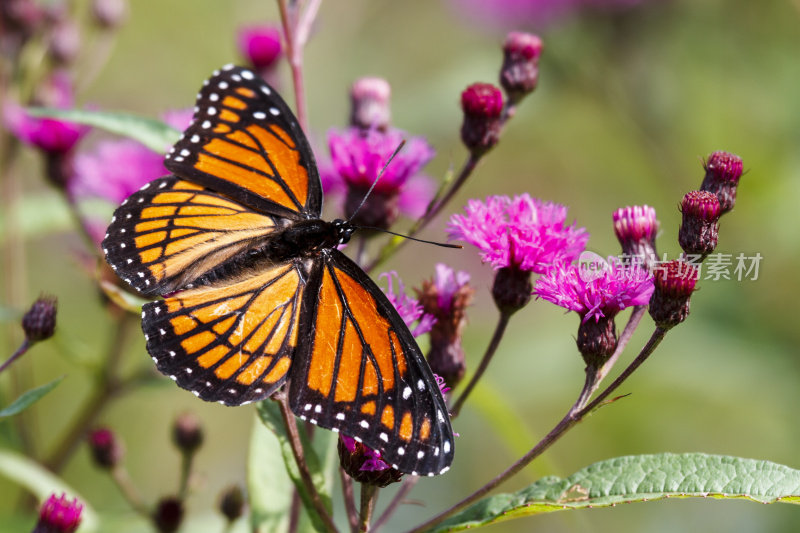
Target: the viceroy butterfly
(255, 292)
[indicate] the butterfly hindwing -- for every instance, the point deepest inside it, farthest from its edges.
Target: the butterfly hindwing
(245, 142)
(360, 371)
(172, 231)
(232, 341)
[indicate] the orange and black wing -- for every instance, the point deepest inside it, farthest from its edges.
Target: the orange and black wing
(232, 341)
(360, 371)
(245, 142)
(172, 232)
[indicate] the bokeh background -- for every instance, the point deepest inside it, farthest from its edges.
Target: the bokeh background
(628, 104)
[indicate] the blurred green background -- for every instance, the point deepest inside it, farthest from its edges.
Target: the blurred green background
(627, 107)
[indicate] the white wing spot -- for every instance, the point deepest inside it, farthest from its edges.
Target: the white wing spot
(140, 274)
(265, 90)
(162, 185)
(306, 407)
(313, 421)
(246, 74)
(171, 353)
(213, 97)
(128, 215)
(406, 393)
(384, 437)
(447, 446)
(335, 430)
(436, 452)
(357, 439)
(401, 451)
(178, 159)
(212, 111)
(196, 393)
(443, 470)
(274, 111)
(173, 378)
(194, 139)
(185, 152)
(259, 115)
(121, 231)
(154, 359)
(162, 331)
(439, 415)
(236, 77)
(420, 454)
(227, 66)
(232, 391)
(421, 385)
(317, 408)
(364, 424)
(188, 370)
(339, 416)
(259, 391)
(303, 417)
(223, 85)
(206, 124)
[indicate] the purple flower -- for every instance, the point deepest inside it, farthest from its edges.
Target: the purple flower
(598, 292)
(523, 233)
(49, 135)
(261, 45)
(410, 310)
(358, 157)
(448, 283)
(59, 515)
(372, 458)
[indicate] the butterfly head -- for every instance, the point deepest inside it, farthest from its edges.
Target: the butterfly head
(344, 230)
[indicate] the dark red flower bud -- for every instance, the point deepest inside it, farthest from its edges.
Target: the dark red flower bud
(231, 503)
(520, 71)
(364, 464)
(511, 289)
(39, 323)
(107, 450)
(168, 515)
(674, 283)
(700, 227)
(109, 14)
(369, 98)
(59, 515)
(187, 433)
(65, 42)
(19, 20)
(597, 340)
(482, 104)
(636, 228)
(723, 171)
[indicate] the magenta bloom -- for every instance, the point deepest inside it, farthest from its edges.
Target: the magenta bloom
(523, 233)
(410, 310)
(47, 134)
(59, 515)
(372, 462)
(357, 158)
(597, 292)
(261, 45)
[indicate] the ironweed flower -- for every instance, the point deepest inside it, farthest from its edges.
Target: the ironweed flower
(723, 171)
(168, 515)
(518, 236)
(700, 225)
(446, 298)
(358, 157)
(597, 292)
(674, 284)
(369, 104)
(187, 433)
(231, 503)
(482, 104)
(59, 515)
(107, 450)
(520, 71)
(410, 310)
(39, 322)
(261, 46)
(636, 228)
(364, 464)
(109, 14)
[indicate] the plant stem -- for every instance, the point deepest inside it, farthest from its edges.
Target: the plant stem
(499, 330)
(294, 512)
(120, 476)
(16, 355)
(296, 30)
(349, 500)
(369, 494)
(299, 457)
(405, 488)
(186, 469)
(573, 416)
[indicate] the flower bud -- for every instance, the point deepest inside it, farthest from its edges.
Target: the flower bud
(59, 515)
(369, 99)
(39, 323)
(65, 42)
(482, 104)
(168, 515)
(636, 228)
(261, 45)
(109, 14)
(107, 450)
(511, 289)
(364, 464)
(700, 226)
(187, 433)
(231, 503)
(597, 340)
(520, 71)
(674, 283)
(723, 171)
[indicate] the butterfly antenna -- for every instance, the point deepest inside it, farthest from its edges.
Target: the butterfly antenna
(374, 183)
(442, 244)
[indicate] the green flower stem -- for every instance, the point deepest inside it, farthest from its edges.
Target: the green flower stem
(405, 488)
(499, 330)
(296, 30)
(187, 458)
(349, 500)
(299, 457)
(369, 493)
(16, 355)
(123, 481)
(573, 416)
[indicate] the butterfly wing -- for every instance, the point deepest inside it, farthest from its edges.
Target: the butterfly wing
(360, 371)
(231, 341)
(172, 232)
(245, 142)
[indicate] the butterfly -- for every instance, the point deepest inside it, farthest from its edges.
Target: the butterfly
(256, 294)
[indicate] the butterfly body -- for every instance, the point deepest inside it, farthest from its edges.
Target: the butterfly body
(256, 295)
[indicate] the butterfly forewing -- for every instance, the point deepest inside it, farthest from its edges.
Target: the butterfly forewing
(172, 231)
(245, 142)
(231, 341)
(361, 372)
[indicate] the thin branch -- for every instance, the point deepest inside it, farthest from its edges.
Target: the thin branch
(349, 500)
(405, 488)
(369, 494)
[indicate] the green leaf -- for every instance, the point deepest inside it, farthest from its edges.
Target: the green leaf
(28, 398)
(42, 484)
(635, 479)
(150, 132)
(269, 487)
(270, 415)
